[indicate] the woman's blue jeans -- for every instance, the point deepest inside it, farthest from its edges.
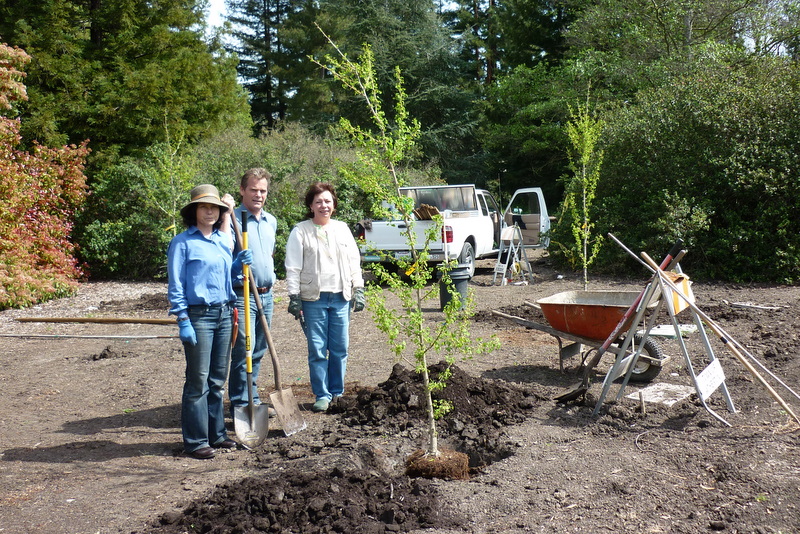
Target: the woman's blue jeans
(327, 332)
(202, 416)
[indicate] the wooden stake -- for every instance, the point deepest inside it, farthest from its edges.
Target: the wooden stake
(102, 320)
(68, 336)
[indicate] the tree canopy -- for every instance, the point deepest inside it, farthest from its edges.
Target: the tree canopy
(121, 73)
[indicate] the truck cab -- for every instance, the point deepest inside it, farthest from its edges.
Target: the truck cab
(527, 209)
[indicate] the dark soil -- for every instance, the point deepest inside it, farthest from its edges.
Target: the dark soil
(357, 490)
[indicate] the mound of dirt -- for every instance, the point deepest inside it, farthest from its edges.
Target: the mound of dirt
(358, 488)
(481, 409)
(364, 500)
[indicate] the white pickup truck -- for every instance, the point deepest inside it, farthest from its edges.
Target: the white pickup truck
(473, 225)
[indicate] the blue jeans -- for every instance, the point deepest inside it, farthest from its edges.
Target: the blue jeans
(202, 417)
(237, 383)
(327, 332)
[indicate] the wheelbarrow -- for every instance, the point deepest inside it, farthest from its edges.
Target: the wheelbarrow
(587, 319)
(588, 313)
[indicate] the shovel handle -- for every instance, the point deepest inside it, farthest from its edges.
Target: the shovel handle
(246, 291)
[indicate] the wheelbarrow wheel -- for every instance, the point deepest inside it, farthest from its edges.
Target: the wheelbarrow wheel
(644, 371)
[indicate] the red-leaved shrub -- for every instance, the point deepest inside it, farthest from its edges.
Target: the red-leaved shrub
(41, 190)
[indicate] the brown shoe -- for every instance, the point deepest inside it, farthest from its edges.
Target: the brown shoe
(205, 453)
(226, 444)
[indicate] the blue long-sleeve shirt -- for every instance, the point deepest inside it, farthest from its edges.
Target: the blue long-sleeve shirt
(261, 241)
(199, 270)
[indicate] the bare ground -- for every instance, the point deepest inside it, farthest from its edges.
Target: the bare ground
(90, 432)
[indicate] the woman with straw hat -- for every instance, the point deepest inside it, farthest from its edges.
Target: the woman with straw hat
(200, 291)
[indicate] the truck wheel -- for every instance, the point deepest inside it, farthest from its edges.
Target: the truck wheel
(644, 371)
(467, 257)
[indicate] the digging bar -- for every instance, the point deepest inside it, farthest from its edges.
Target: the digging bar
(100, 320)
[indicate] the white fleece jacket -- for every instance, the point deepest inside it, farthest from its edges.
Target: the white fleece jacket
(303, 257)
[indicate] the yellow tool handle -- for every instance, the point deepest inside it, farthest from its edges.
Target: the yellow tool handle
(246, 291)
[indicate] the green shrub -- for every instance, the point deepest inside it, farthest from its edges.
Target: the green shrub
(712, 157)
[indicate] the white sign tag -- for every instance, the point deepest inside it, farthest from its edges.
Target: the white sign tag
(709, 380)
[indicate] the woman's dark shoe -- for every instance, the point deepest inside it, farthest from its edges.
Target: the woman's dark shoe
(206, 453)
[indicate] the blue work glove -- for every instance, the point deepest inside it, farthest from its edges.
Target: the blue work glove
(359, 299)
(295, 306)
(244, 257)
(186, 332)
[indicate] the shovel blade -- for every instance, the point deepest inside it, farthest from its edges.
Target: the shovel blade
(251, 430)
(288, 411)
(577, 392)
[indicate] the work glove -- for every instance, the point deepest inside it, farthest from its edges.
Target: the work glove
(186, 332)
(295, 306)
(359, 299)
(244, 257)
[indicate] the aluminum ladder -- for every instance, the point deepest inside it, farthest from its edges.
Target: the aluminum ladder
(516, 259)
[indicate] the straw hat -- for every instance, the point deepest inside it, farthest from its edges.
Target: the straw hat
(204, 194)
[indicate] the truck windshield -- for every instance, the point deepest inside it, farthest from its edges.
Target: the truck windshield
(444, 198)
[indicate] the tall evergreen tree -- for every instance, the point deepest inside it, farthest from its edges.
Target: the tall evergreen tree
(411, 35)
(469, 20)
(121, 73)
(264, 60)
(274, 41)
(531, 32)
(498, 35)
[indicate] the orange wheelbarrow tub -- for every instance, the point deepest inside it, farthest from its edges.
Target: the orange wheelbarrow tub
(589, 314)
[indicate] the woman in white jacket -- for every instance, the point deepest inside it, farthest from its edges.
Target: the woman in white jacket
(323, 275)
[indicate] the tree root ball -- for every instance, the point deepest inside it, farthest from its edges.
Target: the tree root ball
(449, 465)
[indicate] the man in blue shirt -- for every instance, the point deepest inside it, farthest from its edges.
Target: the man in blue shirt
(261, 228)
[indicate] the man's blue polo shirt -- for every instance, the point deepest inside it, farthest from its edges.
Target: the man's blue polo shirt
(261, 241)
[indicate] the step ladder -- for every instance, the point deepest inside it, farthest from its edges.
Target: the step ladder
(515, 263)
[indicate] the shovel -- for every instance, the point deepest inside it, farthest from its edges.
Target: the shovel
(250, 422)
(581, 389)
(283, 401)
